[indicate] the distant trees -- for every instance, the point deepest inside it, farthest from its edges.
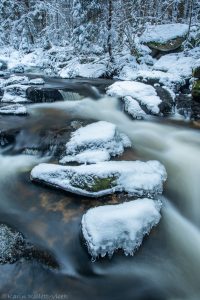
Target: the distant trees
(91, 26)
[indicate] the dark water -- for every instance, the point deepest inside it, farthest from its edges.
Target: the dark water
(168, 263)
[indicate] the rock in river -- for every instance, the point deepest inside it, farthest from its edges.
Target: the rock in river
(136, 178)
(95, 142)
(111, 227)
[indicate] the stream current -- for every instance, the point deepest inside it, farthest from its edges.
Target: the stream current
(167, 264)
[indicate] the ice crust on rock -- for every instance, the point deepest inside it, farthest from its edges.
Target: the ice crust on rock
(95, 142)
(111, 227)
(163, 33)
(143, 93)
(15, 109)
(133, 177)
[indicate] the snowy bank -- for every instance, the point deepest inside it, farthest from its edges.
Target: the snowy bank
(145, 94)
(95, 142)
(123, 226)
(134, 177)
(15, 93)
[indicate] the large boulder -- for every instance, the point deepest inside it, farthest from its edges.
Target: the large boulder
(167, 37)
(37, 94)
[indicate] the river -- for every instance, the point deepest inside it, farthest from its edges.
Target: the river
(167, 264)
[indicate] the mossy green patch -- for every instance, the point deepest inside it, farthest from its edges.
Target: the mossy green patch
(93, 183)
(167, 46)
(196, 72)
(196, 90)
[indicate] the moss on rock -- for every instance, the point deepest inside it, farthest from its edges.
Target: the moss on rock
(196, 72)
(93, 183)
(196, 90)
(167, 46)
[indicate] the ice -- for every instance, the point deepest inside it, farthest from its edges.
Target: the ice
(164, 33)
(15, 109)
(133, 108)
(15, 93)
(37, 81)
(111, 227)
(143, 93)
(95, 142)
(134, 177)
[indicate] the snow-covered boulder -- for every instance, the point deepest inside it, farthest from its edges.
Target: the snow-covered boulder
(13, 79)
(133, 108)
(15, 109)
(95, 142)
(165, 37)
(15, 94)
(18, 68)
(111, 227)
(11, 244)
(145, 94)
(134, 177)
(171, 80)
(176, 64)
(37, 81)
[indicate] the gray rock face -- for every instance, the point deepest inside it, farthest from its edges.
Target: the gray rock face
(37, 95)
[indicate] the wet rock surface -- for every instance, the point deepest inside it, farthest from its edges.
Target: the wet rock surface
(37, 95)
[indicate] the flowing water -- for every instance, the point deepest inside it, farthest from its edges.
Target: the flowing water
(167, 264)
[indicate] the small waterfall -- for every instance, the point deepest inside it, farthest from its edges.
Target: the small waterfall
(70, 96)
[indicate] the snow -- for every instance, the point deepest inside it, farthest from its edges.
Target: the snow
(133, 108)
(87, 70)
(134, 177)
(170, 80)
(15, 93)
(111, 227)
(143, 93)
(164, 33)
(37, 81)
(13, 79)
(16, 109)
(88, 156)
(176, 64)
(95, 142)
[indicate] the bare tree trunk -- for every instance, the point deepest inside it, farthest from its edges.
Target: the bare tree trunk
(109, 41)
